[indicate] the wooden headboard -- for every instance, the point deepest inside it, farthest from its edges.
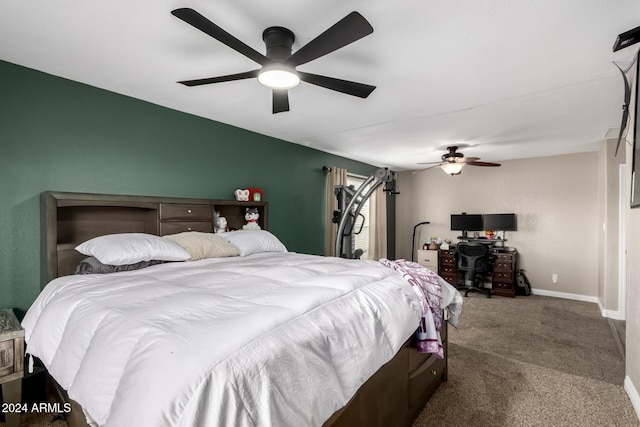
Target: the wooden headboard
(68, 219)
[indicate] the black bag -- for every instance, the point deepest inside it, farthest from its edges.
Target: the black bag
(523, 288)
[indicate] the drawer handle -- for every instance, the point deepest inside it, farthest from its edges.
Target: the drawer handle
(434, 372)
(188, 211)
(188, 228)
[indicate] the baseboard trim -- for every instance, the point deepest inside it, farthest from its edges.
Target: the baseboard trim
(618, 340)
(565, 295)
(632, 392)
(610, 314)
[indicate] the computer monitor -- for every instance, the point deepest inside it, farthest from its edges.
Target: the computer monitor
(466, 222)
(504, 222)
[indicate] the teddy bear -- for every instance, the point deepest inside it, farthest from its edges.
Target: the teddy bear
(251, 216)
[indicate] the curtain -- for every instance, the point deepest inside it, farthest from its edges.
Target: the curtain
(377, 225)
(335, 176)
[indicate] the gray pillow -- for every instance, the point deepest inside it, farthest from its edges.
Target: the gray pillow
(91, 265)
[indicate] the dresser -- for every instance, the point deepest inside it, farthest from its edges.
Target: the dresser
(503, 271)
(11, 366)
(448, 265)
(503, 277)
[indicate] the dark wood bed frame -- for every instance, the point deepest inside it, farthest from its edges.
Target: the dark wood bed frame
(393, 396)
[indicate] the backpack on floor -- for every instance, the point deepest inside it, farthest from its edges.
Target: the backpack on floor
(523, 288)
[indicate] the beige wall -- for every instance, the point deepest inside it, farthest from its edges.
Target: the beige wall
(610, 202)
(556, 202)
(632, 219)
(632, 383)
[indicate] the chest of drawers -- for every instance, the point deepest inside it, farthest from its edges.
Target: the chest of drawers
(503, 277)
(448, 265)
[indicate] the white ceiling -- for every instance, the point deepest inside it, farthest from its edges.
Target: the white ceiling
(505, 78)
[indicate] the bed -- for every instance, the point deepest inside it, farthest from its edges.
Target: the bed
(266, 337)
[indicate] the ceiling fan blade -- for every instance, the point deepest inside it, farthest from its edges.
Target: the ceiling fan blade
(627, 88)
(623, 125)
(346, 31)
(470, 159)
(195, 19)
(482, 164)
(280, 101)
(429, 163)
(220, 79)
(625, 106)
(360, 90)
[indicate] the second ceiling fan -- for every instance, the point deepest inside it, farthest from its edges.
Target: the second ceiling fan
(453, 162)
(278, 71)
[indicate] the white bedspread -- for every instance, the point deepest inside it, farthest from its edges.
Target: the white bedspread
(266, 340)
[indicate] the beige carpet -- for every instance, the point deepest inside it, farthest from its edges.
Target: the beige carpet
(531, 361)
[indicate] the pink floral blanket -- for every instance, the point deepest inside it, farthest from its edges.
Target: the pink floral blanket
(426, 285)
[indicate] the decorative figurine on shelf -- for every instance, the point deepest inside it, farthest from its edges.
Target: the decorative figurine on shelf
(446, 244)
(434, 243)
(219, 223)
(255, 194)
(242, 195)
(251, 216)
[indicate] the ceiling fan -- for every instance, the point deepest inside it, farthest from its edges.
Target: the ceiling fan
(453, 162)
(278, 71)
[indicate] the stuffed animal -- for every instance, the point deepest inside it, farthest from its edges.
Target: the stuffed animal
(251, 215)
(242, 195)
(219, 223)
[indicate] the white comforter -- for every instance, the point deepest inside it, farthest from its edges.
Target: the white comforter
(266, 340)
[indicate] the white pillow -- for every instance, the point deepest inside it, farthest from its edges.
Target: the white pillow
(254, 241)
(130, 248)
(203, 245)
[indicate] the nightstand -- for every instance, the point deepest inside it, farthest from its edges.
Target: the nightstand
(11, 363)
(429, 259)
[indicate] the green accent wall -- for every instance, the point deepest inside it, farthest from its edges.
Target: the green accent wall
(60, 135)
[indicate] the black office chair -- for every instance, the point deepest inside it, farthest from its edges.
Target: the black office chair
(473, 258)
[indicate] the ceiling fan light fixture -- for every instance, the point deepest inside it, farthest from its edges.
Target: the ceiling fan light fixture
(278, 77)
(452, 168)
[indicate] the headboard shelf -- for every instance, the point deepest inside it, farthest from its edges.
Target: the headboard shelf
(77, 223)
(67, 246)
(68, 219)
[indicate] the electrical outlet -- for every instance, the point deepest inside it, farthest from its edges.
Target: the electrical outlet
(554, 278)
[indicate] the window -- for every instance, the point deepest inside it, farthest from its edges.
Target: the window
(362, 239)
